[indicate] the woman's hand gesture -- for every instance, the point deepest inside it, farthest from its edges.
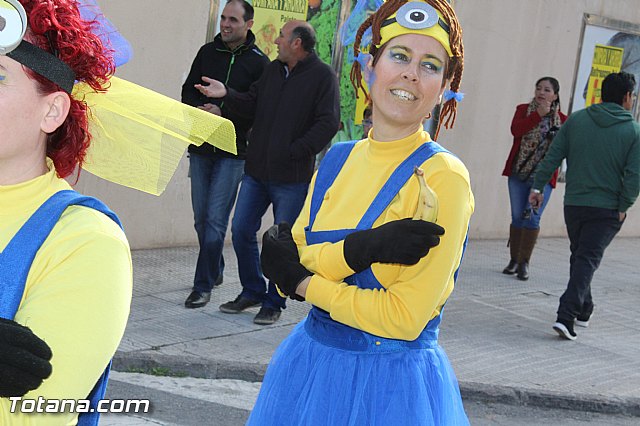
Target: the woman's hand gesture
(544, 108)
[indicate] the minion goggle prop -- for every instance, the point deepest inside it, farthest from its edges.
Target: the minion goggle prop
(13, 26)
(416, 17)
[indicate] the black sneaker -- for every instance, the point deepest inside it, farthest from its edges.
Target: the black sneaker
(240, 304)
(197, 300)
(266, 316)
(565, 329)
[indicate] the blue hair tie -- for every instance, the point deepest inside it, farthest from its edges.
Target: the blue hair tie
(450, 94)
(363, 59)
(369, 77)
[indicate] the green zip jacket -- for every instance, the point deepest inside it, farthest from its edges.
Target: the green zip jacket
(602, 146)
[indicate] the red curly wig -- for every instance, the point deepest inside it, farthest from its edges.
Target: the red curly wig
(56, 26)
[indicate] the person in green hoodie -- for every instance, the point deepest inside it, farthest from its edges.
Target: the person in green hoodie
(602, 146)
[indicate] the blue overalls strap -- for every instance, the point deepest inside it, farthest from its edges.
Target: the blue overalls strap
(464, 249)
(396, 181)
(327, 172)
(18, 256)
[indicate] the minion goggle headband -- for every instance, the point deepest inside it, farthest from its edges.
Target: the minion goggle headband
(416, 17)
(13, 26)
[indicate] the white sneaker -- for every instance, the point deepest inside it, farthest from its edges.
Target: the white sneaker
(583, 323)
(564, 331)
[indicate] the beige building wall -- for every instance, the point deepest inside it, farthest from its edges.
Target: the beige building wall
(509, 44)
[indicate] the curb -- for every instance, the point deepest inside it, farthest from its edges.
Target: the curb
(189, 366)
(509, 395)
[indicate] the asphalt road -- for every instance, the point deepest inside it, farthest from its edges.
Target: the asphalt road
(198, 402)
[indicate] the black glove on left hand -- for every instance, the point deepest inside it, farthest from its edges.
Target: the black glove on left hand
(24, 359)
(280, 261)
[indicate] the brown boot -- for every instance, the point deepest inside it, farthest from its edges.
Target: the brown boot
(515, 236)
(528, 242)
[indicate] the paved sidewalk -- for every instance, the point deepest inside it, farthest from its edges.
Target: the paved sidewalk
(496, 329)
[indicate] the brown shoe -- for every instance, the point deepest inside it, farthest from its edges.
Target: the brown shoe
(240, 304)
(511, 268)
(523, 271)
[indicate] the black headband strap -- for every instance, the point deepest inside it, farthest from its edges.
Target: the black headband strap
(45, 64)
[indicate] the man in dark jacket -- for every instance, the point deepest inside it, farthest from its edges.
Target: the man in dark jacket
(602, 146)
(233, 58)
(297, 111)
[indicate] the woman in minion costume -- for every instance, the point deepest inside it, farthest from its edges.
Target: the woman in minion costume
(367, 354)
(65, 263)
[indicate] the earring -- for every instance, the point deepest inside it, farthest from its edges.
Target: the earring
(428, 116)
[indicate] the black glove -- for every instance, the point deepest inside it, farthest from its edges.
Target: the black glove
(280, 261)
(403, 241)
(24, 359)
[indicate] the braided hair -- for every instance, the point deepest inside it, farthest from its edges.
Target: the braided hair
(454, 67)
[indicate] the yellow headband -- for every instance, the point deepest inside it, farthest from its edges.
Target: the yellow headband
(416, 17)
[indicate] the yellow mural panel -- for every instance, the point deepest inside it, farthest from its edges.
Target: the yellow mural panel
(270, 16)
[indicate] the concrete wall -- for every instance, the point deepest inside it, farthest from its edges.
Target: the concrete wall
(509, 44)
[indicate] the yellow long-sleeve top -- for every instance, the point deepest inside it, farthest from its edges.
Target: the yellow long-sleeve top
(77, 294)
(412, 295)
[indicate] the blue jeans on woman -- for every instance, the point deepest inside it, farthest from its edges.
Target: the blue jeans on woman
(214, 186)
(253, 201)
(522, 215)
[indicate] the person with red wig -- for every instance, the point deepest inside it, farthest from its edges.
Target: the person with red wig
(65, 266)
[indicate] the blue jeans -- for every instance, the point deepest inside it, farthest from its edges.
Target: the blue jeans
(519, 196)
(214, 186)
(590, 230)
(253, 200)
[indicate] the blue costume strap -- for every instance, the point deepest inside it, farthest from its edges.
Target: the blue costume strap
(18, 255)
(327, 172)
(397, 180)
(464, 249)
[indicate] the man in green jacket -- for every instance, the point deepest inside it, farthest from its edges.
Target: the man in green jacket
(602, 146)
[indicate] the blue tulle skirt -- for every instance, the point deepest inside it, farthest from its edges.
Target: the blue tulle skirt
(313, 382)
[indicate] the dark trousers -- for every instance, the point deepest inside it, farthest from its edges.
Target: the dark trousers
(590, 230)
(253, 201)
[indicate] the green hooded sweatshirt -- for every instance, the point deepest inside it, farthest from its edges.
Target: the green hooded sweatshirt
(602, 146)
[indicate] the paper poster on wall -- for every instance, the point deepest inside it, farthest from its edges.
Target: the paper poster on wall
(270, 16)
(607, 46)
(606, 60)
